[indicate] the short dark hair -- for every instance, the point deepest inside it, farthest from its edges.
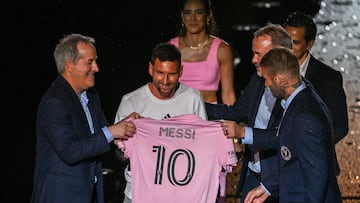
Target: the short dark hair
(166, 52)
(301, 20)
(280, 60)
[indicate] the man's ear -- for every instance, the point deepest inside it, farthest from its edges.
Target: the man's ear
(150, 69)
(281, 80)
(310, 44)
(181, 70)
(68, 66)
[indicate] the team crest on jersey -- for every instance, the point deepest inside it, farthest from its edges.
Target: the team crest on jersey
(285, 153)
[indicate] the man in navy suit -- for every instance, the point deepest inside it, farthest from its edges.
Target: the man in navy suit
(258, 108)
(327, 81)
(72, 131)
(306, 154)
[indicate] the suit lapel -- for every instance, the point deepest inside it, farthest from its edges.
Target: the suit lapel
(312, 69)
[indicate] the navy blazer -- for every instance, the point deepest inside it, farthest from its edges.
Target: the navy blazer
(307, 160)
(328, 84)
(67, 153)
(244, 110)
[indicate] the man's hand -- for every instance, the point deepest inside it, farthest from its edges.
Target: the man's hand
(124, 129)
(232, 129)
(256, 195)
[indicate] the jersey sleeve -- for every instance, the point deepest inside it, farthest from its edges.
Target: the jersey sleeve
(230, 158)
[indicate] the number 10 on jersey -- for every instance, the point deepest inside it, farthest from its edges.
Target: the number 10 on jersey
(171, 165)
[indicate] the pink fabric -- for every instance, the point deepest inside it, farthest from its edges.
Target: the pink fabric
(178, 159)
(202, 75)
(223, 184)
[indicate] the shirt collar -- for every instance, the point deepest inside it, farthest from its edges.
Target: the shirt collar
(304, 65)
(83, 98)
(285, 103)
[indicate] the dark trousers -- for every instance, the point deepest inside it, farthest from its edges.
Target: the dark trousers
(252, 181)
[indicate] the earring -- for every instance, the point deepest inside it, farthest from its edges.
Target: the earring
(208, 23)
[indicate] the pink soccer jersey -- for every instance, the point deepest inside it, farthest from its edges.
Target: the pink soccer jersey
(178, 159)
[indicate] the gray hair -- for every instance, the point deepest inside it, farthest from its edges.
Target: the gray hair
(279, 36)
(67, 50)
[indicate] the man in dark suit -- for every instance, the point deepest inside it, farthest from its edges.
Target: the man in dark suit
(304, 138)
(258, 108)
(72, 131)
(327, 81)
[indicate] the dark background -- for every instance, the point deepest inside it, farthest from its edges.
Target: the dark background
(125, 33)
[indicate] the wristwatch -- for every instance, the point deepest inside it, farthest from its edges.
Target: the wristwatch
(237, 140)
